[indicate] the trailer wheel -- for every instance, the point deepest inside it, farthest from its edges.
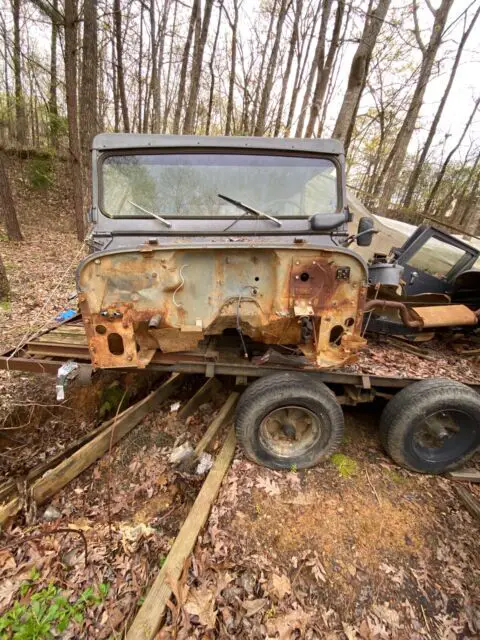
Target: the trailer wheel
(288, 420)
(432, 426)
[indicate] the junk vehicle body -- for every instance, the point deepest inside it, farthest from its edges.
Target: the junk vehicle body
(234, 255)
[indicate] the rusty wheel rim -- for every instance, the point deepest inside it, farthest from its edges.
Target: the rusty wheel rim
(290, 431)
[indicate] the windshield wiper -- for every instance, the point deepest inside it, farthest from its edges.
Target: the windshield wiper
(150, 213)
(247, 209)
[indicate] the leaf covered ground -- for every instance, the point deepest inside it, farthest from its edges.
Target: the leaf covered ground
(355, 548)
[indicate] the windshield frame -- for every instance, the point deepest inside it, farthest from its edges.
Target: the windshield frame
(103, 156)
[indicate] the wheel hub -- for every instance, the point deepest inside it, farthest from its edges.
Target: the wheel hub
(290, 431)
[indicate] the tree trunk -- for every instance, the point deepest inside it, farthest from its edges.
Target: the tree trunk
(300, 70)
(271, 69)
(20, 120)
(258, 83)
(75, 159)
(4, 285)
(7, 203)
(288, 68)
(157, 101)
(120, 70)
(324, 71)
(139, 74)
(53, 101)
(212, 75)
(415, 175)
(332, 81)
(116, 98)
(88, 93)
(184, 67)
(359, 71)
(391, 171)
(317, 63)
(231, 79)
(167, 92)
(199, 48)
(441, 173)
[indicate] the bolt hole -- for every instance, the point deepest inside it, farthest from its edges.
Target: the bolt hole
(101, 329)
(305, 276)
(115, 344)
(257, 278)
(349, 322)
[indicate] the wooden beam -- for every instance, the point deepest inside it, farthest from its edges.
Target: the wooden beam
(149, 618)
(198, 398)
(55, 479)
(469, 501)
(220, 419)
(465, 475)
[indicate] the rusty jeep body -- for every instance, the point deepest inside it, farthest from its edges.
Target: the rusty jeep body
(197, 239)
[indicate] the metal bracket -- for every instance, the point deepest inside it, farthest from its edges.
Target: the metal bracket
(64, 373)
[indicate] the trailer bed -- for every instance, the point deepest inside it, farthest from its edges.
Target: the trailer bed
(382, 365)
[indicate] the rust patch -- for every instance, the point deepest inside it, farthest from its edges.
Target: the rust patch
(309, 297)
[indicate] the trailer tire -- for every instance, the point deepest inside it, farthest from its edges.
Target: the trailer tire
(432, 426)
(288, 420)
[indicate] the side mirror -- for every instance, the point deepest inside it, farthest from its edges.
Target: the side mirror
(365, 232)
(328, 221)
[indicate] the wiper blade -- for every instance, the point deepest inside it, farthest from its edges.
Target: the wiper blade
(247, 209)
(150, 213)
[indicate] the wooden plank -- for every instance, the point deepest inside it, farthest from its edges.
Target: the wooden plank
(222, 416)
(470, 502)
(68, 328)
(149, 618)
(198, 398)
(465, 475)
(61, 338)
(55, 479)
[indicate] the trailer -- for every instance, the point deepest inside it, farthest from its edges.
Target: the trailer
(445, 444)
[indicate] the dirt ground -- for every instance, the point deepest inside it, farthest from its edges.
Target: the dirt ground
(355, 548)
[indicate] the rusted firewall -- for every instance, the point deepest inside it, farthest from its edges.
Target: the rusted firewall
(136, 301)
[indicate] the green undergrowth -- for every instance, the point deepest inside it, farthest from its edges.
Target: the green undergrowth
(40, 172)
(5, 305)
(46, 613)
(347, 467)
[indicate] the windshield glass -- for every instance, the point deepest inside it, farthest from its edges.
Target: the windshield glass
(188, 184)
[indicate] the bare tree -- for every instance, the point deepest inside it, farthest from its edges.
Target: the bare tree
(317, 63)
(233, 63)
(8, 206)
(359, 70)
(117, 18)
(88, 93)
(441, 173)
(297, 8)
(415, 175)
(20, 120)
(53, 101)
(212, 77)
(271, 69)
(324, 70)
(393, 165)
(198, 50)
(75, 158)
(183, 72)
